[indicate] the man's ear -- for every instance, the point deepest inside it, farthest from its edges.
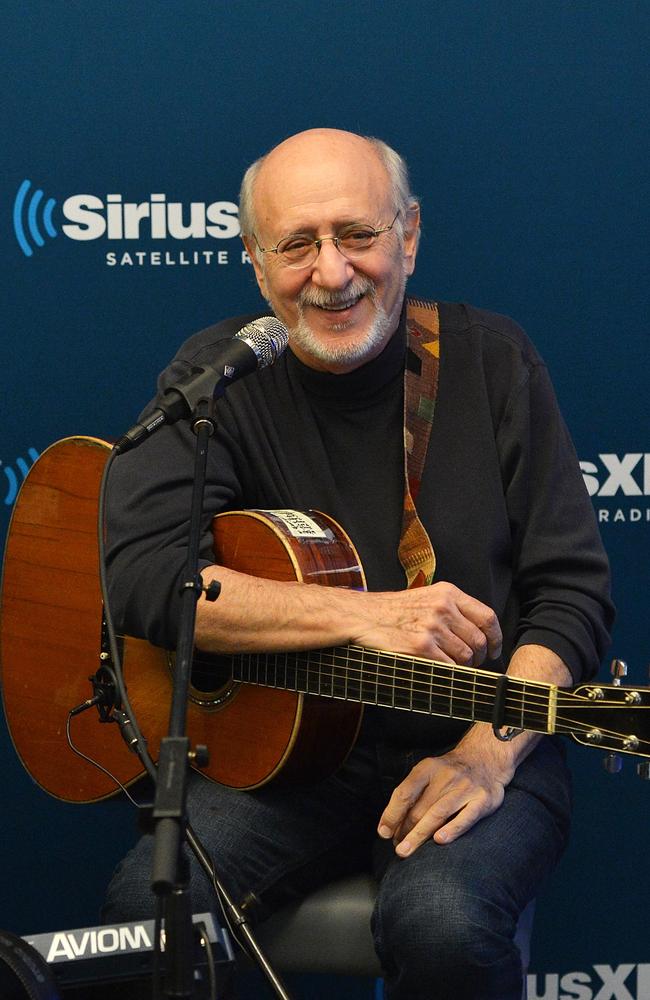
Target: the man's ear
(251, 249)
(411, 237)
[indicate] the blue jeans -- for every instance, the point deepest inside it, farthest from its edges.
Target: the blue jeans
(445, 917)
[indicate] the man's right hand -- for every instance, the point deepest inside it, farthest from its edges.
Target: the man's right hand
(439, 622)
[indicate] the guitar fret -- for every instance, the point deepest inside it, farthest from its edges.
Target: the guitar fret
(342, 665)
(376, 680)
(451, 693)
(335, 667)
(419, 685)
(314, 677)
(330, 677)
(368, 681)
(474, 696)
(307, 675)
(402, 690)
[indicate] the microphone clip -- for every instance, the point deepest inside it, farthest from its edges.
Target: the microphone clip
(105, 693)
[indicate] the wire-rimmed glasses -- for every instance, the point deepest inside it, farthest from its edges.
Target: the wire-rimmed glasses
(300, 250)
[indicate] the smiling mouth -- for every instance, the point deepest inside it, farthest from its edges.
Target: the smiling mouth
(339, 307)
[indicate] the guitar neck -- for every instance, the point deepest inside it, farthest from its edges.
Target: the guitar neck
(390, 680)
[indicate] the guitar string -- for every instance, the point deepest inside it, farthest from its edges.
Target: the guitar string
(563, 724)
(458, 676)
(512, 703)
(403, 674)
(427, 685)
(404, 677)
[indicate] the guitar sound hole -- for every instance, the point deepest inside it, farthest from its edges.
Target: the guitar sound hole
(212, 681)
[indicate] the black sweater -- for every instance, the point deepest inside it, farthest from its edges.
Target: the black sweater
(502, 496)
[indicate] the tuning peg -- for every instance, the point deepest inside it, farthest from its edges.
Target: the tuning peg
(618, 670)
(643, 769)
(613, 763)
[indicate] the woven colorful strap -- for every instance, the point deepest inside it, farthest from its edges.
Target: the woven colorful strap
(420, 389)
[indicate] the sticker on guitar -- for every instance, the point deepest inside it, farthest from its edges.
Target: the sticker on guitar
(296, 523)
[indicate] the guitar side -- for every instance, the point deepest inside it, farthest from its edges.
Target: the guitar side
(263, 733)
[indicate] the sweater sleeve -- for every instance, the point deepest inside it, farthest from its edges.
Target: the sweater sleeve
(148, 508)
(561, 573)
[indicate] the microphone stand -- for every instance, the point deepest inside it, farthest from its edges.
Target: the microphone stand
(170, 877)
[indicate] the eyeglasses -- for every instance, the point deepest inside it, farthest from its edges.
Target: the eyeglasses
(299, 250)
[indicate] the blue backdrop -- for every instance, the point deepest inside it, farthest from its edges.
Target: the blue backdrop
(524, 124)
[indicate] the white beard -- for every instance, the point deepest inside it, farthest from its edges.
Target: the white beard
(333, 355)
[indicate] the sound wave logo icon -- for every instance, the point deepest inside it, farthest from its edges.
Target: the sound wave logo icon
(23, 468)
(27, 216)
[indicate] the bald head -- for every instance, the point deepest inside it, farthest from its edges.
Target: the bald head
(314, 141)
(300, 155)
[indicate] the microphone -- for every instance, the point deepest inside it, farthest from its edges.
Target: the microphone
(256, 345)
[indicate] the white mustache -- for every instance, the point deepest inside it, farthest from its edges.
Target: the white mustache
(325, 299)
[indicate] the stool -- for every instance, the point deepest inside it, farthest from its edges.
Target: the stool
(329, 931)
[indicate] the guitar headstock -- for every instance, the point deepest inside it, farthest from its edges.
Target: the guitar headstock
(614, 718)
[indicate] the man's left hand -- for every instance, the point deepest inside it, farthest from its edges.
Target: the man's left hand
(443, 797)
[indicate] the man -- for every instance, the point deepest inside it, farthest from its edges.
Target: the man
(462, 828)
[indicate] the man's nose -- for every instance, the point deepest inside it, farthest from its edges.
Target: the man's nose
(331, 269)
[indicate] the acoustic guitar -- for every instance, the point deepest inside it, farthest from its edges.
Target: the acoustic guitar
(285, 716)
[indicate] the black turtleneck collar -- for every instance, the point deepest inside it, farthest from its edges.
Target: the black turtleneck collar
(363, 382)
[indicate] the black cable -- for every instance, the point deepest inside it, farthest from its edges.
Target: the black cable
(95, 763)
(209, 957)
(139, 746)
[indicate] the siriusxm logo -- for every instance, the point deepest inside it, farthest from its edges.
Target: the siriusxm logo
(622, 477)
(26, 217)
(13, 481)
(628, 474)
(604, 982)
(89, 217)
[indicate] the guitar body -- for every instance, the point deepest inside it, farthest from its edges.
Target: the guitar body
(50, 643)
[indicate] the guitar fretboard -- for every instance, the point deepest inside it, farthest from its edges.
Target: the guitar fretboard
(390, 680)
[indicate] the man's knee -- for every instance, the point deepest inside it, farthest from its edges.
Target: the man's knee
(447, 937)
(440, 929)
(130, 896)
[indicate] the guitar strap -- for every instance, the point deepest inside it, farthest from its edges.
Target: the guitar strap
(420, 389)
